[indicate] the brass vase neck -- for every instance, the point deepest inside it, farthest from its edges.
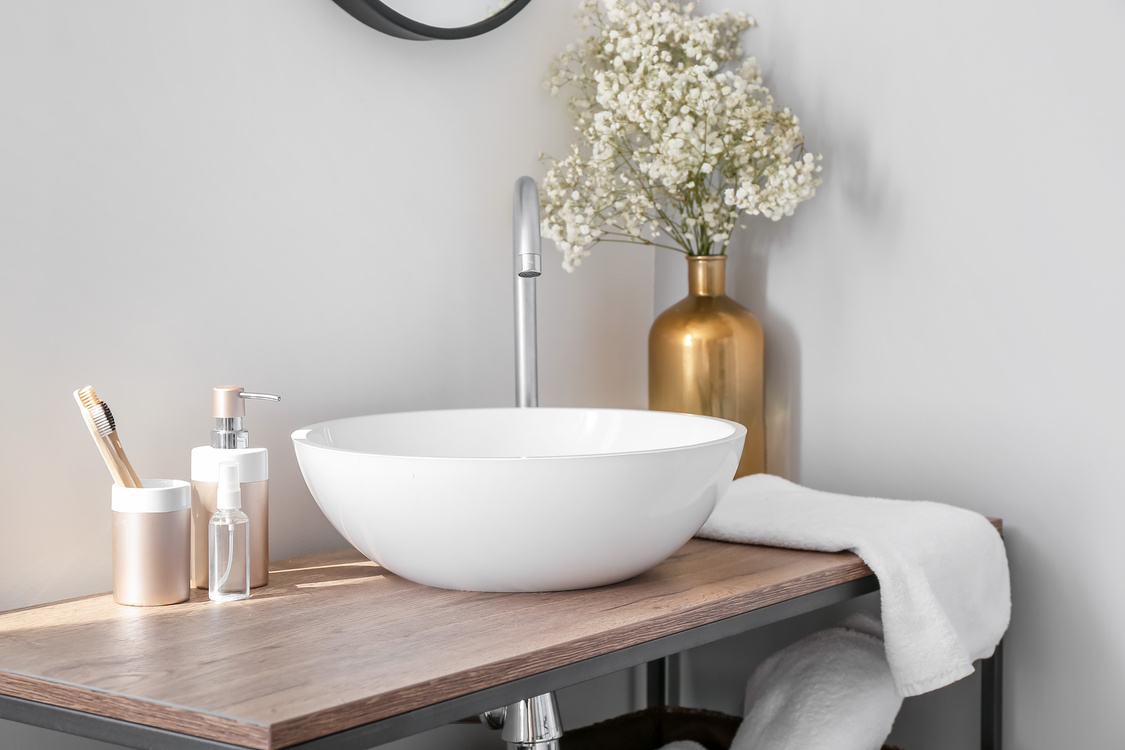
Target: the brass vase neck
(707, 275)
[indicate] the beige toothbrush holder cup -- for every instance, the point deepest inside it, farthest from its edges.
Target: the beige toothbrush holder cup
(151, 542)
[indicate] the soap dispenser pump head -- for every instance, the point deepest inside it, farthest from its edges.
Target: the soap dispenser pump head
(228, 408)
(229, 495)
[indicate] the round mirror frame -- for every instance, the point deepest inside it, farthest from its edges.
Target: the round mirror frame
(378, 16)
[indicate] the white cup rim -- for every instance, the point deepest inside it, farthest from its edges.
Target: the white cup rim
(156, 496)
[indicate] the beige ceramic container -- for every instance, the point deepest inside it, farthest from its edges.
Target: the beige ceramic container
(151, 542)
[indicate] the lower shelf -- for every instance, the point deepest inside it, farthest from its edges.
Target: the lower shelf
(654, 728)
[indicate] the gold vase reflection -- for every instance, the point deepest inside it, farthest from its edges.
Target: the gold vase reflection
(706, 356)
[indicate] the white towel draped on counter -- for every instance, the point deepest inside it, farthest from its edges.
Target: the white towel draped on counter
(942, 570)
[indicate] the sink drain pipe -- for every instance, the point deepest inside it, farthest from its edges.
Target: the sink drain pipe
(530, 724)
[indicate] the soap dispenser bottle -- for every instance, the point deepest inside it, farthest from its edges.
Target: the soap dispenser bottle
(230, 442)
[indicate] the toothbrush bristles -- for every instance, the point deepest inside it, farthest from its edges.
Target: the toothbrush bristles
(103, 419)
(88, 397)
(99, 410)
(109, 417)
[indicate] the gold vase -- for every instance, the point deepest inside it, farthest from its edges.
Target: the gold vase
(705, 356)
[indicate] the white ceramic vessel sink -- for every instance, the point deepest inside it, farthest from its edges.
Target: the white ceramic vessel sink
(519, 499)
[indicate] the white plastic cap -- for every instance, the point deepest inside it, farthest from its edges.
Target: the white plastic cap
(229, 495)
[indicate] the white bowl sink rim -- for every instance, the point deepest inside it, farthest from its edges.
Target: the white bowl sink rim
(314, 435)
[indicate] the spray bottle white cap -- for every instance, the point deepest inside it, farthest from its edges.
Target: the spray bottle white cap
(229, 495)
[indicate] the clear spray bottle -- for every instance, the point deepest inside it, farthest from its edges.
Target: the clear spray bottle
(228, 541)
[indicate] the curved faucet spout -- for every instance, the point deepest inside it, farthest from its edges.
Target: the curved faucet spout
(528, 261)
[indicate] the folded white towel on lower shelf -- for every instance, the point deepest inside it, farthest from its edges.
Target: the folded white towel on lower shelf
(683, 745)
(830, 691)
(942, 570)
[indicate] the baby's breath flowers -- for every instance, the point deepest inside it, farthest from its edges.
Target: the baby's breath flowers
(677, 134)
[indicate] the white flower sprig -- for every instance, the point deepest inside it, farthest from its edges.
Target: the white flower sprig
(677, 134)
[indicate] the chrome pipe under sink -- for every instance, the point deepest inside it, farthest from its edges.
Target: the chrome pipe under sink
(530, 724)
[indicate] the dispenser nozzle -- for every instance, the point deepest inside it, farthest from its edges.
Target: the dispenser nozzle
(229, 400)
(228, 408)
(260, 396)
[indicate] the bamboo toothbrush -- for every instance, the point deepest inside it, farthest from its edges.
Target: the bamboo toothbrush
(103, 428)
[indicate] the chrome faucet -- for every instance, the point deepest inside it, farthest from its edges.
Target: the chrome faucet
(533, 723)
(529, 264)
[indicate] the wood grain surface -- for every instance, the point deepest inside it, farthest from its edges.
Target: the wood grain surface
(335, 641)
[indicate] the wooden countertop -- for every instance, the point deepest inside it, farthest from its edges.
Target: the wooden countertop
(335, 641)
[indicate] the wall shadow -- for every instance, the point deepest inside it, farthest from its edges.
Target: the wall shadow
(747, 283)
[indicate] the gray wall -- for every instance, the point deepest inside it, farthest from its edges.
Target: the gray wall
(944, 319)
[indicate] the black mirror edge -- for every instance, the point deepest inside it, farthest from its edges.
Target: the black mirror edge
(382, 18)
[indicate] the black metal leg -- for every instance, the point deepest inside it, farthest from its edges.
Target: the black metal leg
(672, 679)
(656, 683)
(991, 699)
